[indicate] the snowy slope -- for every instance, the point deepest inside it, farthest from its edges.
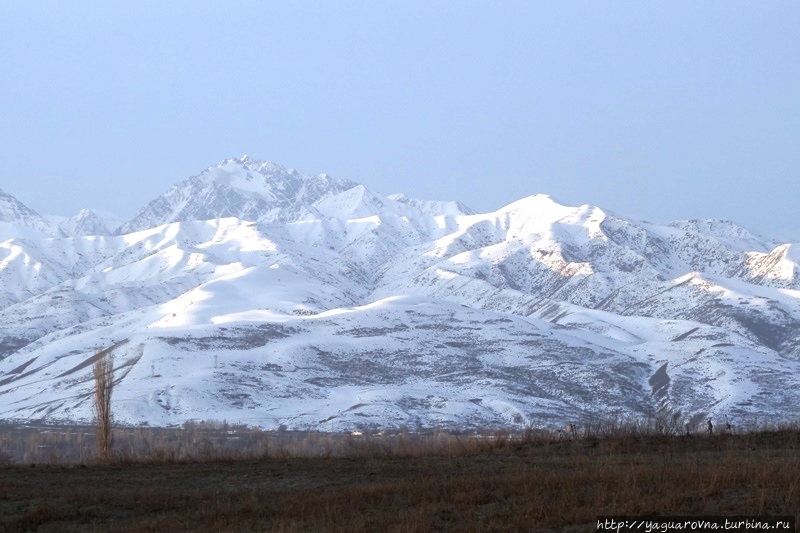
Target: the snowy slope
(253, 293)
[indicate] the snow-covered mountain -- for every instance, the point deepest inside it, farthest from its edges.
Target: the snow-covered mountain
(255, 294)
(243, 188)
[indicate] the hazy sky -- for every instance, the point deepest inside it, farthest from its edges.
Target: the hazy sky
(654, 110)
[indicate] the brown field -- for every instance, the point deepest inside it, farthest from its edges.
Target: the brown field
(222, 479)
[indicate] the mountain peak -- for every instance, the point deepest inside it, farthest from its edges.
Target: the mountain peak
(16, 213)
(248, 175)
(245, 188)
(540, 205)
(253, 164)
(86, 222)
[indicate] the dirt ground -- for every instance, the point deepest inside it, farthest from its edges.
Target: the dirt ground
(519, 486)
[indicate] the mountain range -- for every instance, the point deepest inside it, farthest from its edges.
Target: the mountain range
(255, 294)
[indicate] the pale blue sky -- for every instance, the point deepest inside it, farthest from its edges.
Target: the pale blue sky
(655, 110)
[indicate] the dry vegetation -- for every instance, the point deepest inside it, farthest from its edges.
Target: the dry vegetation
(206, 478)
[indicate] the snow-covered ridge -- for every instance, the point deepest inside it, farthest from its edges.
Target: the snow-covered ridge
(266, 192)
(243, 188)
(251, 292)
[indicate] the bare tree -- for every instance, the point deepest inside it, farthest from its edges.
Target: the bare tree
(103, 387)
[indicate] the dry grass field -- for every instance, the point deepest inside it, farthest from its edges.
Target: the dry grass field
(537, 481)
